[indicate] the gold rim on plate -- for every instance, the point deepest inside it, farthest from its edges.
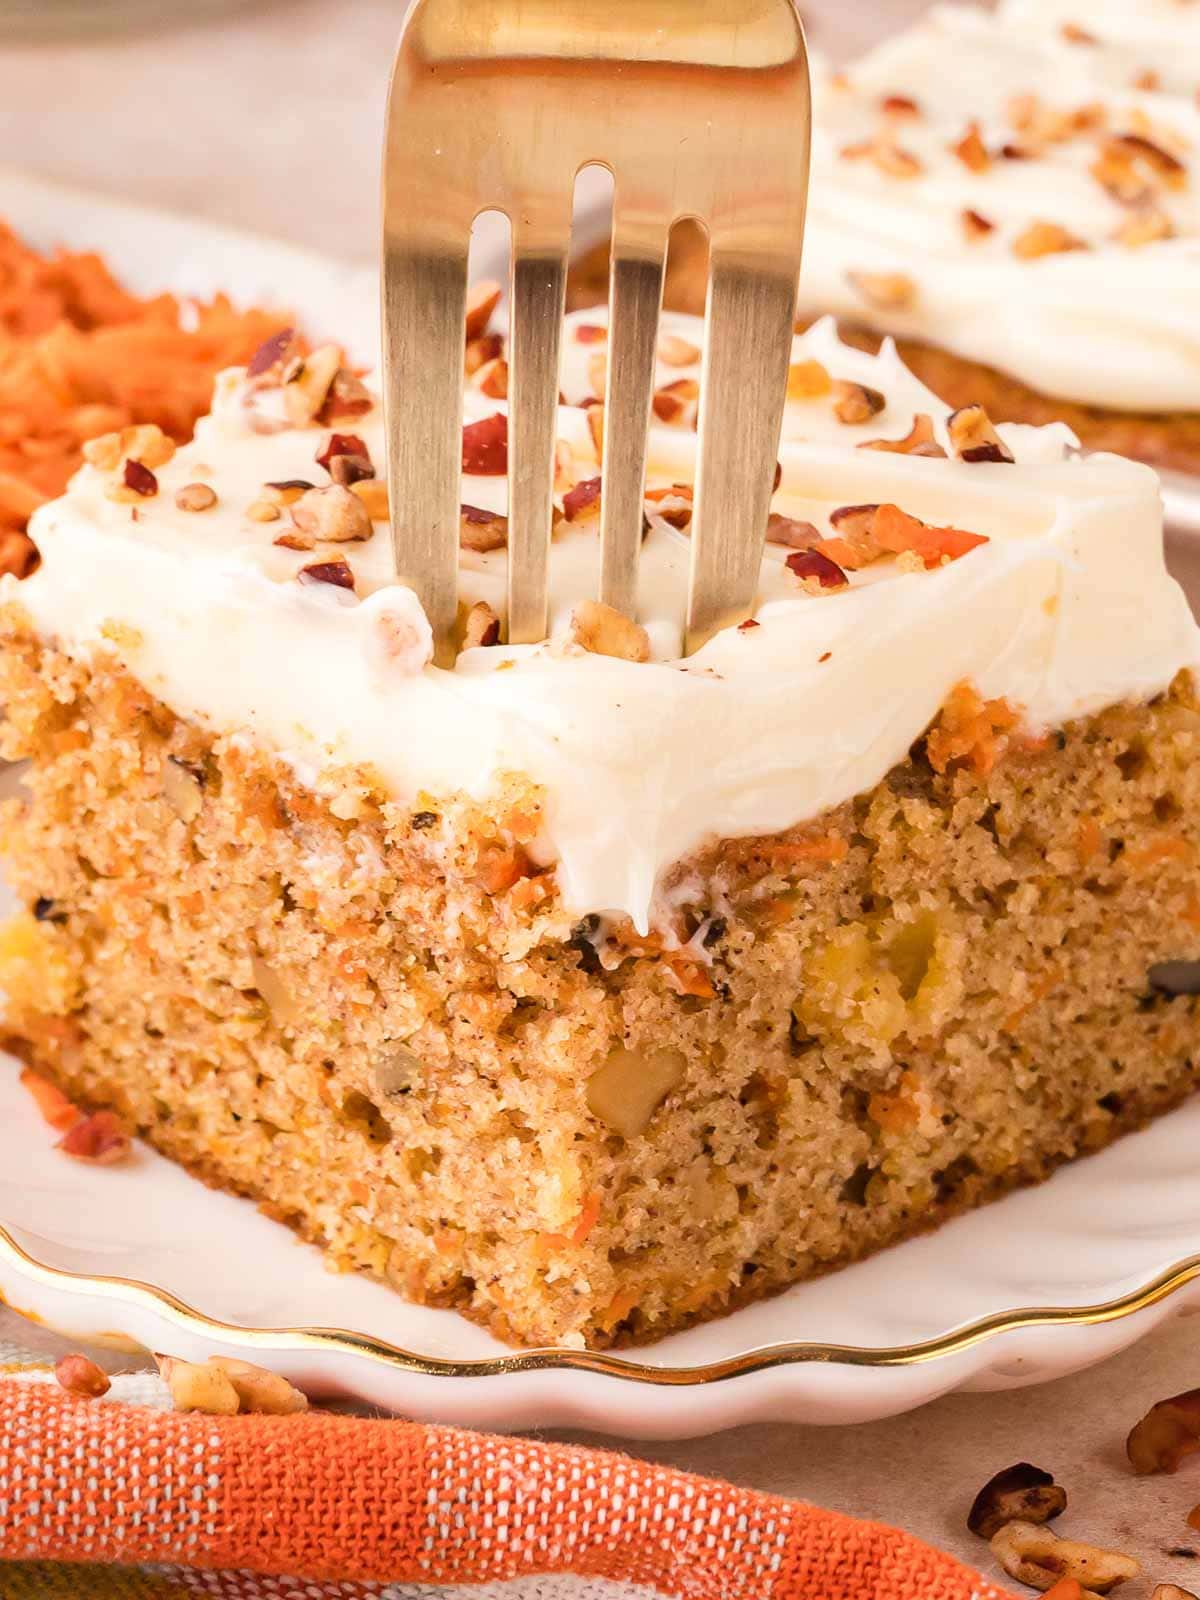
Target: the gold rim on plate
(132, 1291)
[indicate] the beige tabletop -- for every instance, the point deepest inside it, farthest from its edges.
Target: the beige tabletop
(271, 121)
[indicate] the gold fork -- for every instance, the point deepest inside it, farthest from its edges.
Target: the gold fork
(699, 108)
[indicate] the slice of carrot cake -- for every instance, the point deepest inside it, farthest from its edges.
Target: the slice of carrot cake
(585, 987)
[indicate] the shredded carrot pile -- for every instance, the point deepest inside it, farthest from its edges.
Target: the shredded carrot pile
(80, 356)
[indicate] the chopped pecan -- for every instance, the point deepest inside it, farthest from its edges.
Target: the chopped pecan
(79, 1375)
(590, 333)
(1168, 1432)
(816, 570)
(918, 441)
(482, 301)
(626, 1091)
(675, 403)
(673, 505)
(481, 530)
(1022, 1493)
(333, 513)
(1038, 1557)
(791, 533)
(889, 291)
(18, 554)
(971, 150)
(1045, 239)
(676, 352)
(973, 438)
(582, 503)
(485, 447)
(492, 379)
(854, 402)
(337, 573)
(99, 1139)
(480, 626)
(347, 396)
(1146, 226)
(286, 491)
(345, 445)
(1156, 156)
(196, 497)
(306, 384)
(480, 351)
(604, 631)
(139, 478)
(272, 354)
(899, 105)
(976, 225)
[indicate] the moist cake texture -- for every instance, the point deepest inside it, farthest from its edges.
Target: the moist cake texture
(585, 988)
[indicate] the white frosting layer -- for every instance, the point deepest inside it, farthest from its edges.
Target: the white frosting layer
(1109, 325)
(1067, 608)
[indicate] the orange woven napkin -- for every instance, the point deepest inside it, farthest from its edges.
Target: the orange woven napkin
(366, 1505)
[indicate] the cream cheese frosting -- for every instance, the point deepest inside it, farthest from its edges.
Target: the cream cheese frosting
(1109, 323)
(1066, 608)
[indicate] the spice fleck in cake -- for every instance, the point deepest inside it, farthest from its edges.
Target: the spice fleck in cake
(587, 988)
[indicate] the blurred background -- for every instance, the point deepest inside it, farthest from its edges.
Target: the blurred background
(266, 115)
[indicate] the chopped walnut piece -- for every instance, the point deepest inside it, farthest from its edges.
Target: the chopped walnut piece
(1147, 226)
(293, 539)
(631, 1085)
(337, 573)
(19, 556)
(345, 446)
(918, 441)
(604, 631)
(854, 402)
(99, 1139)
(196, 1387)
(976, 226)
(482, 301)
(676, 352)
(182, 788)
(480, 626)
(790, 533)
(259, 1391)
(492, 379)
(481, 530)
(1168, 1432)
(816, 570)
(79, 1375)
(480, 351)
(973, 438)
(196, 497)
(373, 494)
(485, 447)
(334, 513)
(263, 511)
(1045, 239)
(676, 403)
(808, 380)
(889, 291)
(971, 150)
(1038, 1557)
(582, 503)
(1022, 1493)
(306, 384)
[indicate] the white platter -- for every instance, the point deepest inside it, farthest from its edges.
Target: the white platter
(1041, 1284)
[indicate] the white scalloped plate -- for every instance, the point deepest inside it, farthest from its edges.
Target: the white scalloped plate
(1038, 1285)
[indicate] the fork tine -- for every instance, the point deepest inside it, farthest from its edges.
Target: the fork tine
(539, 283)
(742, 389)
(424, 304)
(638, 260)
